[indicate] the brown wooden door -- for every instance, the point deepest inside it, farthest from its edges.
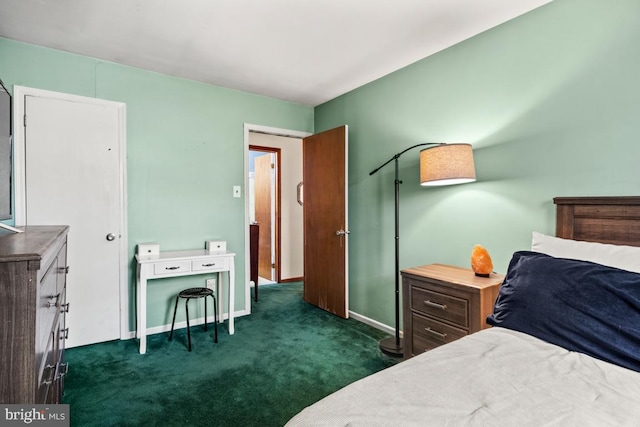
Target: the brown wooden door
(263, 213)
(325, 221)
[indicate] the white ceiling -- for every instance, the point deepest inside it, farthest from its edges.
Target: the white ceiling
(305, 51)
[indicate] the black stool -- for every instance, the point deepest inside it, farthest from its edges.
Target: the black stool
(188, 294)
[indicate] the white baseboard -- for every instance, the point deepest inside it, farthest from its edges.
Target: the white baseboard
(183, 324)
(373, 323)
(179, 325)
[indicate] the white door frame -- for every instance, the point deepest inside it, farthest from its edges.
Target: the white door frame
(247, 254)
(19, 174)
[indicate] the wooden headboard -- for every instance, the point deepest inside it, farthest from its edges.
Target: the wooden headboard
(614, 220)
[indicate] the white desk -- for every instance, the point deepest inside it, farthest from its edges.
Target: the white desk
(182, 263)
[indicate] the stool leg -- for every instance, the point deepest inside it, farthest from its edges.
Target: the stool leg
(186, 309)
(215, 318)
(173, 322)
(205, 314)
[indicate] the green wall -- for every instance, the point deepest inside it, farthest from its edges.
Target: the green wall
(184, 151)
(550, 102)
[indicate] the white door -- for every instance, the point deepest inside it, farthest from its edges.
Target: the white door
(73, 177)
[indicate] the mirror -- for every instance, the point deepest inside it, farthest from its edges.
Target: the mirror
(5, 153)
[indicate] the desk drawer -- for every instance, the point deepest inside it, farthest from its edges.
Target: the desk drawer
(210, 264)
(171, 267)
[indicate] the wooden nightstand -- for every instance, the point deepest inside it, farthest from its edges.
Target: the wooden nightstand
(442, 303)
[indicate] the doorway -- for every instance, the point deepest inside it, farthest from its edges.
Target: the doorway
(264, 210)
(288, 238)
(325, 230)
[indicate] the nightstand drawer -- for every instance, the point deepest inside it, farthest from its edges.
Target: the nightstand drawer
(439, 305)
(429, 333)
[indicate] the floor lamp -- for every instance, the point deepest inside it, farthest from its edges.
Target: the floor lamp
(440, 164)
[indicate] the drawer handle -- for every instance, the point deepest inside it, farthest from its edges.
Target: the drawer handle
(55, 303)
(172, 268)
(440, 334)
(209, 265)
(63, 370)
(436, 305)
(51, 374)
(64, 308)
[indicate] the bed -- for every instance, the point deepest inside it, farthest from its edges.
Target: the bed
(564, 349)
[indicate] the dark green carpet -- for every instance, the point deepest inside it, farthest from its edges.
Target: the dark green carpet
(283, 357)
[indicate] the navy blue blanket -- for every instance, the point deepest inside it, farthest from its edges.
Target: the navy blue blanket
(578, 305)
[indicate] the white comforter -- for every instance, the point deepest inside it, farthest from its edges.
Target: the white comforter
(496, 377)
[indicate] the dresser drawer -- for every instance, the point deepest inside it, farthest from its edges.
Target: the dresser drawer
(446, 307)
(170, 267)
(47, 369)
(210, 264)
(429, 333)
(48, 304)
(62, 270)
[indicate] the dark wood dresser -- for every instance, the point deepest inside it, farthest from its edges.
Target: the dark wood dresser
(33, 271)
(442, 303)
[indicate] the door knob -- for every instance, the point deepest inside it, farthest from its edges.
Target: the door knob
(111, 237)
(342, 232)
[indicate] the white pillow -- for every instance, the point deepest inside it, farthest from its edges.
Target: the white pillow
(618, 256)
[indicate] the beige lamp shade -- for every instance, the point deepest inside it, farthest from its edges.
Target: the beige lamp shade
(447, 164)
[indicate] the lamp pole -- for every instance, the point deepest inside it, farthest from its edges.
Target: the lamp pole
(393, 346)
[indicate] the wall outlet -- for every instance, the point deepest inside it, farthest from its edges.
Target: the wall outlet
(236, 191)
(211, 284)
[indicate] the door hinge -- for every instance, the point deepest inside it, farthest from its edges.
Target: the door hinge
(273, 165)
(273, 265)
(24, 119)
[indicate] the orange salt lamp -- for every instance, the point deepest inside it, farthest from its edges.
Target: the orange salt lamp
(481, 261)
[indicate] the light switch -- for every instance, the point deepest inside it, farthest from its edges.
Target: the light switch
(236, 191)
